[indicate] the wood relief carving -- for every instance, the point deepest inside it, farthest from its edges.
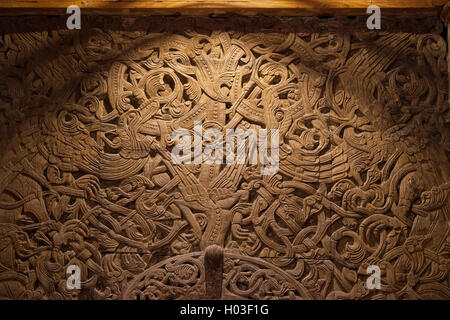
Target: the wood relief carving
(86, 176)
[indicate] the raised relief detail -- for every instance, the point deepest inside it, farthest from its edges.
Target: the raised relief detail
(87, 176)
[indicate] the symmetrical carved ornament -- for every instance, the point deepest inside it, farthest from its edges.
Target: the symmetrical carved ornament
(86, 176)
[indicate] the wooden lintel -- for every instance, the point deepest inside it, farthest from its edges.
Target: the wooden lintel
(202, 7)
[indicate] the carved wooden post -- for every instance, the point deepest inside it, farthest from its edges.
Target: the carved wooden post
(446, 17)
(213, 271)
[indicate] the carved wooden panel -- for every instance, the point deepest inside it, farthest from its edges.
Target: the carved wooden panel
(87, 179)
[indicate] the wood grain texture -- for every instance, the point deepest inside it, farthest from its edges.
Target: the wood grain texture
(200, 7)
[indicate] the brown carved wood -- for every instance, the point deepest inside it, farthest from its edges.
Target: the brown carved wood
(86, 176)
(445, 15)
(242, 7)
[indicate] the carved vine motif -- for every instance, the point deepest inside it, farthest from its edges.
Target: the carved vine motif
(86, 175)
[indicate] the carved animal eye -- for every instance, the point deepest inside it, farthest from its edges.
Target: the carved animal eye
(132, 116)
(279, 115)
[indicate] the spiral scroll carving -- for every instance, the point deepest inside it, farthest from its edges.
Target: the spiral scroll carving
(86, 176)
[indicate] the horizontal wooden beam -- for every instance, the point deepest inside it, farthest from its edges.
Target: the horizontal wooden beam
(203, 7)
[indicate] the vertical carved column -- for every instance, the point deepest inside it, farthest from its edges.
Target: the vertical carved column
(214, 271)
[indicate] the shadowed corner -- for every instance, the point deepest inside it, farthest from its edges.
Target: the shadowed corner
(213, 258)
